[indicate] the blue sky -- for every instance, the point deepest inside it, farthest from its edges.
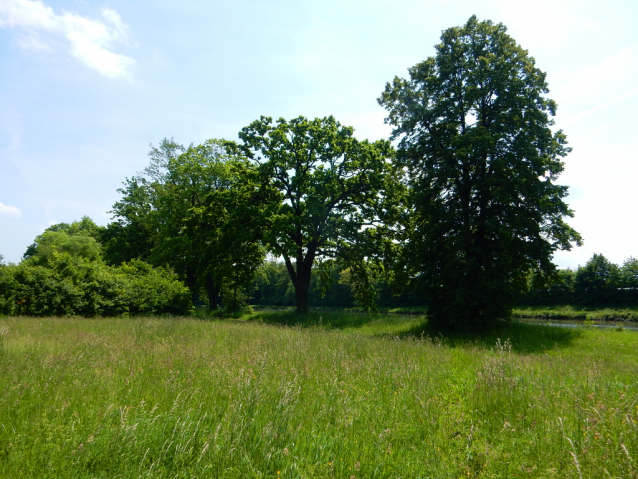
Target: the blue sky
(85, 87)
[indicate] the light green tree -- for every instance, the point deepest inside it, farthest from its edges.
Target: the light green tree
(78, 239)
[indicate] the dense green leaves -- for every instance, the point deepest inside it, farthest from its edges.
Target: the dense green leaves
(199, 210)
(75, 286)
(475, 136)
(79, 238)
(598, 281)
(338, 193)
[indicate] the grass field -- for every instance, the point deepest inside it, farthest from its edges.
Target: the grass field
(341, 395)
(570, 312)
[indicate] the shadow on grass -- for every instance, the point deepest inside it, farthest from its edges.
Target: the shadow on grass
(516, 336)
(317, 319)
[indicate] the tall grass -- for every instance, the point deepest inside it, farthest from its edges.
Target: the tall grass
(327, 395)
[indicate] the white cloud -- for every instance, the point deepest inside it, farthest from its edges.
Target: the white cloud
(90, 39)
(12, 211)
(32, 44)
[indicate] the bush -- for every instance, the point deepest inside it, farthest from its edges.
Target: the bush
(75, 286)
(152, 291)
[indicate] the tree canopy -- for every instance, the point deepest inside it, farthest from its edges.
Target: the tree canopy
(198, 210)
(476, 137)
(338, 193)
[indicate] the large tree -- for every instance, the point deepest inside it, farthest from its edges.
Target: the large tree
(211, 212)
(338, 194)
(476, 137)
(199, 210)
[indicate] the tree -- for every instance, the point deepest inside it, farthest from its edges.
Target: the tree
(133, 233)
(211, 212)
(476, 139)
(80, 238)
(338, 194)
(629, 281)
(629, 273)
(63, 273)
(200, 210)
(597, 282)
(559, 291)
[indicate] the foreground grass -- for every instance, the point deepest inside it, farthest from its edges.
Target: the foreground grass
(338, 395)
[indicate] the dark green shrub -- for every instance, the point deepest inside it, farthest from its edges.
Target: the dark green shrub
(151, 291)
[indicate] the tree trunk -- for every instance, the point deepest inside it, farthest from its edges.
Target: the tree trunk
(301, 278)
(212, 291)
(302, 290)
(191, 282)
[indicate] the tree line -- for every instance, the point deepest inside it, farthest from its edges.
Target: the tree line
(460, 214)
(598, 283)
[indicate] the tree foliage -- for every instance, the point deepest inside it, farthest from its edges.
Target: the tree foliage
(64, 274)
(338, 194)
(79, 238)
(597, 282)
(201, 211)
(133, 233)
(476, 138)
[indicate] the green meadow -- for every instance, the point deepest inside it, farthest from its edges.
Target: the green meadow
(331, 394)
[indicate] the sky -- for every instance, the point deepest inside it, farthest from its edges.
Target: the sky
(86, 87)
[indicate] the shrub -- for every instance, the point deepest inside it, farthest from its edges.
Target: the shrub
(75, 286)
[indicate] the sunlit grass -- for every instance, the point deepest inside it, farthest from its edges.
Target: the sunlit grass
(577, 313)
(328, 395)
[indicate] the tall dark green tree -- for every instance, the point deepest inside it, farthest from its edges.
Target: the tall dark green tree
(476, 137)
(210, 213)
(598, 281)
(339, 195)
(199, 210)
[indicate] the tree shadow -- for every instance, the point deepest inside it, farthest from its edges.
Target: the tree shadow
(316, 319)
(516, 336)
